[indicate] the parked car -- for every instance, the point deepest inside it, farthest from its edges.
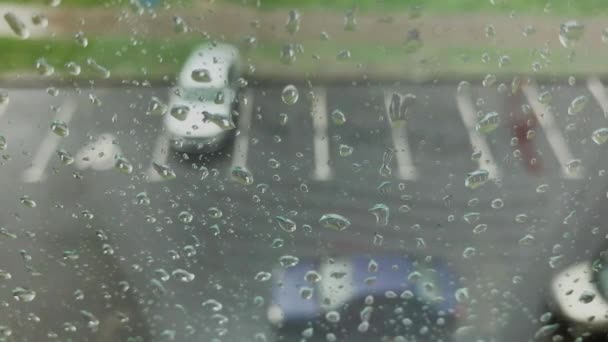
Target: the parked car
(200, 107)
(363, 298)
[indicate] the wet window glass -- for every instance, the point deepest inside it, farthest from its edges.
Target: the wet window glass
(310, 170)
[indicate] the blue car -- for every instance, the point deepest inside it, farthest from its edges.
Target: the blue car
(363, 298)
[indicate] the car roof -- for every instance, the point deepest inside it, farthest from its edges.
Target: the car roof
(216, 58)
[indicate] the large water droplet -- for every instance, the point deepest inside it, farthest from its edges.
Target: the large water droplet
(487, 123)
(338, 117)
(570, 33)
(123, 165)
(183, 275)
(164, 171)
(577, 105)
(24, 294)
(288, 261)
(28, 202)
(180, 112)
(293, 21)
(600, 135)
(156, 107)
(242, 176)
(262, 276)
(332, 316)
(476, 179)
(334, 221)
(290, 94)
(381, 213)
(286, 224)
(60, 128)
(16, 25)
(201, 75)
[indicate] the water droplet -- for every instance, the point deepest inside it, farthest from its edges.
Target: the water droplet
(334, 221)
(586, 297)
(16, 25)
(242, 176)
(600, 135)
(574, 165)
(182, 275)
(81, 39)
(262, 276)
(5, 275)
(290, 94)
(287, 261)
(73, 68)
(378, 240)
(345, 150)
(40, 20)
(476, 179)
(546, 330)
(215, 212)
(91, 321)
(480, 228)
(469, 252)
(577, 105)
(288, 54)
(462, 295)
(385, 168)
(570, 33)
(497, 203)
(350, 21)
(24, 294)
(185, 217)
(555, 261)
(201, 75)
(180, 112)
(286, 224)
(541, 189)
(488, 123)
(338, 117)
(3, 143)
(273, 163)
(306, 292)
(521, 218)
(471, 217)
(156, 107)
(164, 171)
(179, 25)
(100, 70)
(60, 128)
(381, 213)
(343, 55)
(213, 305)
(123, 165)
(142, 198)
(44, 68)
(399, 108)
(293, 21)
(312, 277)
(488, 80)
(332, 316)
(28, 202)
(545, 97)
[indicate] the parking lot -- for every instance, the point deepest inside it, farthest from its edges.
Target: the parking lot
(306, 163)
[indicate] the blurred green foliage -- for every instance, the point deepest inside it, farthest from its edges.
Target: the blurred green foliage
(558, 7)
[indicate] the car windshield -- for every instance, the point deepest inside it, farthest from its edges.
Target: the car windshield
(303, 170)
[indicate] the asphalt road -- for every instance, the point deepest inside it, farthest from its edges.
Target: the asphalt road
(92, 244)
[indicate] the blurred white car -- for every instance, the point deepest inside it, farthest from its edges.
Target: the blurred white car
(578, 300)
(200, 107)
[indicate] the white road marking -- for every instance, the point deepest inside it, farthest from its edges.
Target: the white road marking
(407, 170)
(469, 117)
(35, 173)
(598, 90)
(160, 154)
(241, 145)
(321, 141)
(98, 155)
(558, 144)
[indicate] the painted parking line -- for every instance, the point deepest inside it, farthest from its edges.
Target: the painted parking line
(598, 91)
(322, 170)
(160, 154)
(406, 168)
(544, 116)
(241, 145)
(48, 147)
(467, 111)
